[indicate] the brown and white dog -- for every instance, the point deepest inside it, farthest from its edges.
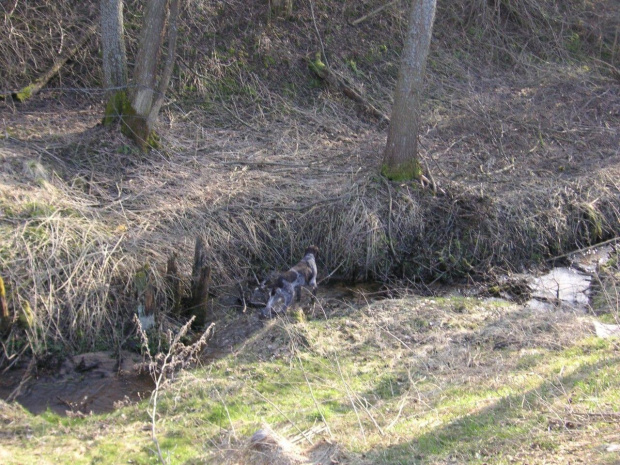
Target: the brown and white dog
(289, 283)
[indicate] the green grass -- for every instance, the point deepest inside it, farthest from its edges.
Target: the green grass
(434, 401)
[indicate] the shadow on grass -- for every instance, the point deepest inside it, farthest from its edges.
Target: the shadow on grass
(498, 429)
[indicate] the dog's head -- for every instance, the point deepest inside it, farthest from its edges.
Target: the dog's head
(314, 250)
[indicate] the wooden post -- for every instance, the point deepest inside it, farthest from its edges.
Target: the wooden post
(145, 294)
(201, 278)
(174, 283)
(5, 318)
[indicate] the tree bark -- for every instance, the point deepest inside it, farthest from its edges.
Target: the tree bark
(400, 159)
(114, 59)
(164, 80)
(145, 74)
(113, 45)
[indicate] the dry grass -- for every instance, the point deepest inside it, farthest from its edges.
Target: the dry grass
(261, 168)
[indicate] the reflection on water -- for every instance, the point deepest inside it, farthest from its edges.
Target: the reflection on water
(561, 286)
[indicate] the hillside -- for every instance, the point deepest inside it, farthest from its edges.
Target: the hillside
(259, 157)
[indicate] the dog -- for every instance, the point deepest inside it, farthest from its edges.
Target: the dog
(289, 283)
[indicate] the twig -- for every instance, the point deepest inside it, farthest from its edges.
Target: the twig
(600, 244)
(330, 275)
(373, 13)
(318, 34)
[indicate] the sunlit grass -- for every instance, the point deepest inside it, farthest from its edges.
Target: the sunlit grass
(428, 401)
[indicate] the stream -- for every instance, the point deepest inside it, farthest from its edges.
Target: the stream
(97, 382)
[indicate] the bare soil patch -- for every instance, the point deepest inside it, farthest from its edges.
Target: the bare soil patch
(95, 382)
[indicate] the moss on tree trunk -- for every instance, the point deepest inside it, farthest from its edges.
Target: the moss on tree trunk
(119, 110)
(406, 171)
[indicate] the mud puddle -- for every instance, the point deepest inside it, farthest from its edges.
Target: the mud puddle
(89, 383)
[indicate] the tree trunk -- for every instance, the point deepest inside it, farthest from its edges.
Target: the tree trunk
(113, 44)
(138, 109)
(169, 64)
(145, 74)
(400, 159)
(114, 59)
(146, 99)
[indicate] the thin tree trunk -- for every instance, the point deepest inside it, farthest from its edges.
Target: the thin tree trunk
(32, 89)
(400, 160)
(114, 59)
(113, 45)
(169, 65)
(145, 75)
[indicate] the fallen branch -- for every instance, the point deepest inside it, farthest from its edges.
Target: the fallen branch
(341, 83)
(373, 12)
(32, 89)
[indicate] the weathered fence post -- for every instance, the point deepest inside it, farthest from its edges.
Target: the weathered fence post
(201, 277)
(174, 283)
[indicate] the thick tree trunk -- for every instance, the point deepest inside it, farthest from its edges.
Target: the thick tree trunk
(147, 97)
(400, 159)
(113, 44)
(114, 59)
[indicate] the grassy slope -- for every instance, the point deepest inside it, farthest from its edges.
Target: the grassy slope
(411, 380)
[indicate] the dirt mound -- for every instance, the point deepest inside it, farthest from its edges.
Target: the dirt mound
(266, 447)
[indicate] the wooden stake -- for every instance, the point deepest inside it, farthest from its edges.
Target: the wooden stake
(201, 279)
(5, 318)
(174, 282)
